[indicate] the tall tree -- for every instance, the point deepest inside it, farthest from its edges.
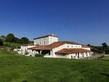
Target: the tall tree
(104, 46)
(10, 38)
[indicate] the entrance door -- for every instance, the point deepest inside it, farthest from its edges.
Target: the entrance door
(77, 55)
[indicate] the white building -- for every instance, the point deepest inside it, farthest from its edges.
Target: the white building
(49, 46)
(45, 40)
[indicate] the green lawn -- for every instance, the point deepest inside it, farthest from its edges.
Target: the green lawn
(16, 68)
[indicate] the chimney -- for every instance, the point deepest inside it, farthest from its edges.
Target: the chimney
(53, 35)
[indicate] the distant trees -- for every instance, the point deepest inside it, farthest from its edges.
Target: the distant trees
(17, 40)
(97, 49)
(104, 48)
(11, 38)
(24, 40)
(2, 37)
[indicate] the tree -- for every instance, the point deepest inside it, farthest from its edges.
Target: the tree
(107, 50)
(24, 40)
(2, 37)
(1, 42)
(104, 46)
(10, 38)
(97, 49)
(89, 45)
(17, 40)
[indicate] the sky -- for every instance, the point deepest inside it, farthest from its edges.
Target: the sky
(81, 21)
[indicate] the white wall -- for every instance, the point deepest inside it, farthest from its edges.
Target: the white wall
(64, 46)
(52, 39)
(45, 40)
(61, 56)
(41, 41)
(74, 55)
(57, 49)
(73, 46)
(86, 48)
(24, 49)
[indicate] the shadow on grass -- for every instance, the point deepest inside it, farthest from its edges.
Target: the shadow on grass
(104, 59)
(24, 81)
(105, 74)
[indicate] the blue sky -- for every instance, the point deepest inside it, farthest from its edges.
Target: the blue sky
(82, 21)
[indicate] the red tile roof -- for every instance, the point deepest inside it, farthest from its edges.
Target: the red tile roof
(47, 47)
(71, 50)
(45, 36)
(53, 45)
(84, 46)
(69, 42)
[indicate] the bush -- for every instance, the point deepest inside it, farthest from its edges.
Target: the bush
(38, 55)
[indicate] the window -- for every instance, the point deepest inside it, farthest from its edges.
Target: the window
(37, 44)
(44, 42)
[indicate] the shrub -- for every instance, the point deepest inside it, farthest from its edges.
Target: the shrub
(38, 55)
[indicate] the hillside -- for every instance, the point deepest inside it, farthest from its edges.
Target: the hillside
(12, 44)
(16, 68)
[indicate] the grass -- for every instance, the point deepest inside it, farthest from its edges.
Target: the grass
(16, 68)
(105, 58)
